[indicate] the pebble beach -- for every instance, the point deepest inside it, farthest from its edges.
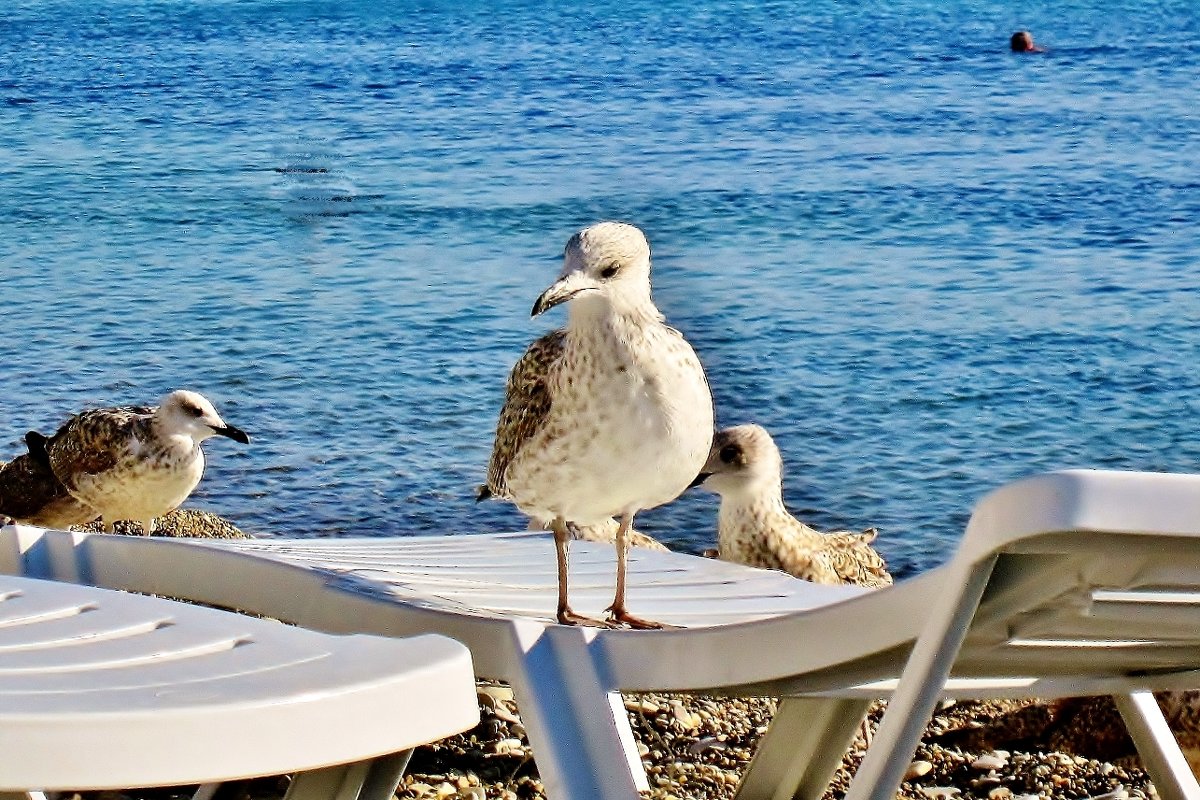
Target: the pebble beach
(696, 748)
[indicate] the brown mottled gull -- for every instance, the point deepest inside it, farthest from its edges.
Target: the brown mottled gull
(606, 417)
(754, 527)
(134, 463)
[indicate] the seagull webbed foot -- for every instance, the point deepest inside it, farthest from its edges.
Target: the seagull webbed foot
(568, 617)
(618, 617)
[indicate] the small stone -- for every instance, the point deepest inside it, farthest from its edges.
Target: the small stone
(642, 749)
(989, 761)
(1119, 793)
(641, 706)
(500, 712)
(685, 718)
(706, 743)
(940, 792)
(507, 746)
(445, 790)
(917, 769)
(420, 789)
(1000, 793)
(486, 701)
(472, 793)
(691, 722)
(502, 693)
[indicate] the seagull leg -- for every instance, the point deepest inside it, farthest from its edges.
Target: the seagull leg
(148, 526)
(616, 611)
(562, 538)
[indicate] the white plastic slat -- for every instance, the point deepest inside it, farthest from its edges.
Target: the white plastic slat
(161, 645)
(514, 574)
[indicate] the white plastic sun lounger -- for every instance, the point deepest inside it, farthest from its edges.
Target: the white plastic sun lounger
(102, 689)
(1073, 583)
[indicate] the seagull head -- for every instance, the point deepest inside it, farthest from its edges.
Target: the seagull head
(606, 263)
(190, 413)
(742, 460)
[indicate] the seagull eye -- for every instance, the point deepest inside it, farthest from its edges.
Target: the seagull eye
(609, 271)
(193, 411)
(729, 452)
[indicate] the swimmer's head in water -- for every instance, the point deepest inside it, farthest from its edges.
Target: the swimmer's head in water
(1022, 42)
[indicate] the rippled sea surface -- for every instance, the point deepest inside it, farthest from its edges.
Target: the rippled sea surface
(926, 265)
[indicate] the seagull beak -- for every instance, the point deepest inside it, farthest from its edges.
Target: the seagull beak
(237, 434)
(701, 478)
(561, 291)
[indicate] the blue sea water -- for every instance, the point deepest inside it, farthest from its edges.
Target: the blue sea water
(928, 266)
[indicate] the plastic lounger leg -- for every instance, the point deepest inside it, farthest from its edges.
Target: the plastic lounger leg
(364, 780)
(920, 685)
(578, 734)
(628, 742)
(802, 748)
(1157, 746)
(332, 783)
(206, 791)
(384, 776)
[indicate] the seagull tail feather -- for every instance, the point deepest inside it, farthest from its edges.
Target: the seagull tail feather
(36, 443)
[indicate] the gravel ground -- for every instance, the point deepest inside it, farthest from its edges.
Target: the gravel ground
(698, 747)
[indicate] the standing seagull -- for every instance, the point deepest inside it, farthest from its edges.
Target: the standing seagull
(755, 528)
(607, 416)
(133, 463)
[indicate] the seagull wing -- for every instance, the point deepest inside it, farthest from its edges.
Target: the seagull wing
(785, 543)
(855, 560)
(526, 406)
(87, 443)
